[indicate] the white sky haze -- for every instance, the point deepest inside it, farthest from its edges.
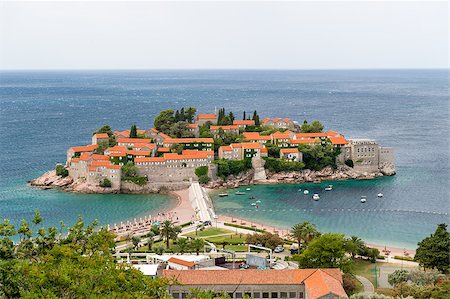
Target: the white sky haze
(236, 35)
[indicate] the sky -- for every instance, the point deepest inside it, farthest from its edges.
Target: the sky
(223, 35)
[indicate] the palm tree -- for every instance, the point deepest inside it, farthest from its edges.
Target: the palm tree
(355, 246)
(136, 240)
(305, 232)
(182, 245)
(150, 240)
(197, 245)
(169, 231)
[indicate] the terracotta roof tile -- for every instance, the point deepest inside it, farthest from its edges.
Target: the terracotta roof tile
(206, 116)
(181, 262)
(225, 128)
(255, 136)
(289, 150)
(189, 140)
(85, 148)
(101, 135)
(150, 159)
(338, 140)
(133, 140)
(248, 122)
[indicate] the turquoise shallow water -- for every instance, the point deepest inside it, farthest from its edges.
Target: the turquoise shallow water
(44, 113)
(384, 221)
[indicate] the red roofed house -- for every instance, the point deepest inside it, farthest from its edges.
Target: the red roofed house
(100, 170)
(288, 283)
(232, 130)
(239, 151)
(256, 137)
(194, 129)
(279, 123)
(100, 137)
(243, 123)
(133, 142)
(179, 264)
(75, 152)
(292, 154)
(201, 144)
(203, 118)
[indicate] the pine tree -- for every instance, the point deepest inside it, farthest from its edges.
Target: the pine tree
(244, 116)
(231, 117)
(133, 132)
(182, 115)
(177, 116)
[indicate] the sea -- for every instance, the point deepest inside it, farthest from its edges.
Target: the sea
(43, 113)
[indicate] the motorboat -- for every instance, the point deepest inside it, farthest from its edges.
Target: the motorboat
(258, 201)
(299, 190)
(251, 197)
(316, 196)
(223, 194)
(363, 199)
(379, 195)
(306, 192)
(253, 204)
(248, 189)
(329, 188)
(239, 193)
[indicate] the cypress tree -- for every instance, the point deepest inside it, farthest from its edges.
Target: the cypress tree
(133, 132)
(244, 116)
(182, 115)
(231, 117)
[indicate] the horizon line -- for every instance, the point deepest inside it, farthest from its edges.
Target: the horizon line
(219, 69)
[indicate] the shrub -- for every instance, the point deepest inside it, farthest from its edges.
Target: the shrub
(349, 163)
(232, 167)
(277, 165)
(202, 170)
(245, 227)
(138, 180)
(105, 183)
(350, 283)
(61, 171)
(203, 179)
(404, 258)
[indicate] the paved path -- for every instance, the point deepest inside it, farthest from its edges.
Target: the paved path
(368, 286)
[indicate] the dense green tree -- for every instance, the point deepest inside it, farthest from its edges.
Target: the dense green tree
(319, 156)
(278, 165)
(169, 231)
(164, 120)
(244, 116)
(105, 129)
(129, 170)
(355, 246)
(203, 179)
(202, 170)
(315, 127)
(304, 232)
(136, 240)
(61, 170)
(102, 146)
(182, 245)
(150, 239)
(78, 264)
(190, 113)
(325, 251)
(256, 118)
(434, 251)
(133, 132)
(266, 239)
(197, 245)
(231, 117)
(398, 276)
(105, 183)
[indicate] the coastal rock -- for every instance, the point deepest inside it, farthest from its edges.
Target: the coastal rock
(387, 169)
(50, 180)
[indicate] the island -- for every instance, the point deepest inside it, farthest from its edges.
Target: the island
(218, 150)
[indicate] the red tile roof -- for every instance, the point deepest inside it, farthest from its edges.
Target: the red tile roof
(189, 140)
(99, 157)
(192, 126)
(255, 136)
(150, 159)
(324, 282)
(248, 122)
(251, 145)
(101, 135)
(289, 150)
(338, 140)
(206, 116)
(118, 154)
(181, 262)
(310, 135)
(85, 148)
(163, 149)
(225, 128)
(133, 140)
(280, 135)
(305, 141)
(225, 148)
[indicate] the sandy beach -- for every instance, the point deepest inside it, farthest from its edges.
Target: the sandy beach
(183, 211)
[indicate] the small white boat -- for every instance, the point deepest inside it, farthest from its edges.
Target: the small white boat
(239, 193)
(223, 194)
(299, 190)
(380, 195)
(258, 201)
(253, 204)
(316, 196)
(329, 188)
(306, 192)
(248, 189)
(363, 199)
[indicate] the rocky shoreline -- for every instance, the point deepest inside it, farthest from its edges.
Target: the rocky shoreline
(50, 180)
(298, 177)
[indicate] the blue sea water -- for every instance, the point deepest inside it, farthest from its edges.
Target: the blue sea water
(43, 113)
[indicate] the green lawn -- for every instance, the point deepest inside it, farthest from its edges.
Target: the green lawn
(231, 239)
(237, 248)
(209, 232)
(364, 269)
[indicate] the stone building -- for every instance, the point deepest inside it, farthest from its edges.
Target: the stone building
(243, 123)
(100, 170)
(289, 283)
(100, 137)
(291, 154)
(231, 130)
(75, 152)
(239, 151)
(367, 155)
(256, 137)
(194, 129)
(204, 118)
(279, 123)
(172, 167)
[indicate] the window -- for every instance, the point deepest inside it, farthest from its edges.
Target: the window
(265, 295)
(300, 295)
(184, 295)
(256, 295)
(176, 295)
(274, 295)
(238, 295)
(283, 295)
(292, 294)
